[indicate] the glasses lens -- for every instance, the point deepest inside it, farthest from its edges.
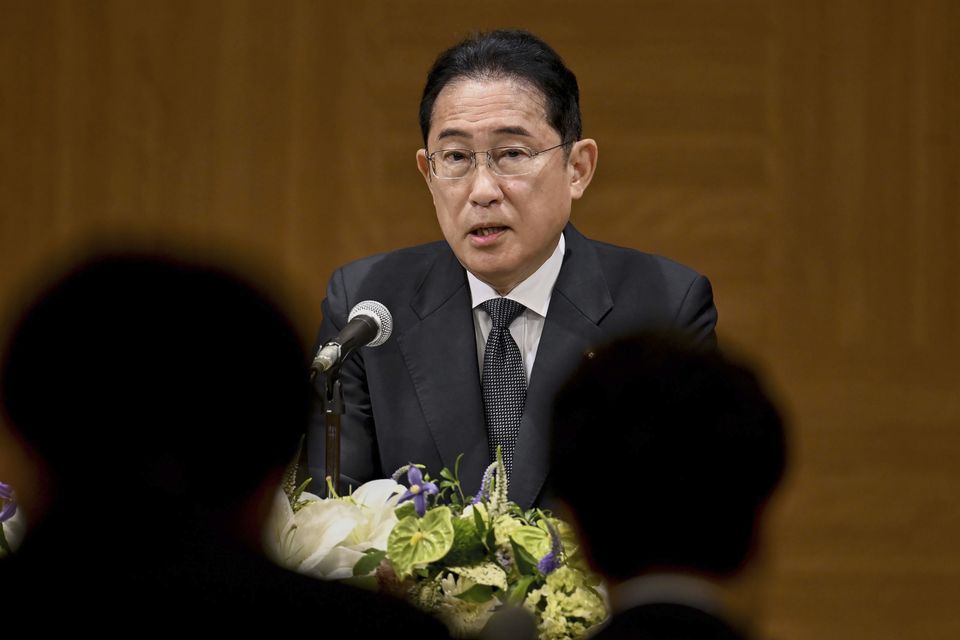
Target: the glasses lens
(452, 163)
(504, 161)
(511, 161)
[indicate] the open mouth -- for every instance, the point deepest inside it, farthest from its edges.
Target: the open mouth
(487, 231)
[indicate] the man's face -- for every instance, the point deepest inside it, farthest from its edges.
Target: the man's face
(502, 228)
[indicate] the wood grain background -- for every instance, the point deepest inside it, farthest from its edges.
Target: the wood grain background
(805, 154)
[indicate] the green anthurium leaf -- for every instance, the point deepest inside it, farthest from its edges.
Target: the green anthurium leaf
(369, 562)
(477, 593)
(534, 540)
(414, 541)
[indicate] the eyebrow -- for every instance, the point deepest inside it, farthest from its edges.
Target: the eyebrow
(460, 133)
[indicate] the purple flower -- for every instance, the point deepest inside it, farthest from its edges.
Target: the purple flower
(418, 491)
(484, 492)
(551, 562)
(8, 502)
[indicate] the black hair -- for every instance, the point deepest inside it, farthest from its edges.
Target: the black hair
(509, 54)
(680, 440)
(157, 375)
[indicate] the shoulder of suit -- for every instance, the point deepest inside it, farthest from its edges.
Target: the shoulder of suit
(406, 257)
(616, 259)
(389, 277)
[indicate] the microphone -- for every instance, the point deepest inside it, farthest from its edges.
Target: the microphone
(368, 325)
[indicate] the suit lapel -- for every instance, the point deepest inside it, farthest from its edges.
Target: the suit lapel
(440, 354)
(579, 302)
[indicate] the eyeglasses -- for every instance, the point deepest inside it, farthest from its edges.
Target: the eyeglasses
(451, 164)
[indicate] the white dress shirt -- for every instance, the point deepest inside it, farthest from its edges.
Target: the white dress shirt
(533, 293)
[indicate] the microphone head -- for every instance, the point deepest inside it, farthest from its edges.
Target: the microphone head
(380, 314)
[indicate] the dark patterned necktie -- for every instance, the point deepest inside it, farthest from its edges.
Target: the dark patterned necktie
(504, 382)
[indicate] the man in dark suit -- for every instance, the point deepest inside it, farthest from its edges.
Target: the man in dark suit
(488, 323)
(164, 400)
(686, 443)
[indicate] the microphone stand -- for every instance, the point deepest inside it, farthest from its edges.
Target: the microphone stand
(369, 324)
(333, 408)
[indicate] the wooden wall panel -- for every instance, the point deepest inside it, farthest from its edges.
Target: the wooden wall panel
(804, 154)
(865, 317)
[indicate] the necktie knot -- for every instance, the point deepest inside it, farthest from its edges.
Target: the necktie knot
(502, 311)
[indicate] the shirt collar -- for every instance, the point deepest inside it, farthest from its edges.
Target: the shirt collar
(533, 293)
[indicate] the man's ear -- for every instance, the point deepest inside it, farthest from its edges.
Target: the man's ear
(582, 163)
(424, 165)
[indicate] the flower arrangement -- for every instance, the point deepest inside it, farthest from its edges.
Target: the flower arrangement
(458, 557)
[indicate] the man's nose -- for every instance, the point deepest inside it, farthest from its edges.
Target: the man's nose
(485, 184)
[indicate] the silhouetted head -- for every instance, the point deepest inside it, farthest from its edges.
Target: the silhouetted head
(666, 453)
(143, 377)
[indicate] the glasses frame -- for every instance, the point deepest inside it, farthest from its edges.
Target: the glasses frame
(473, 159)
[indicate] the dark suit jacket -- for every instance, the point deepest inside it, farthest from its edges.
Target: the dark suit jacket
(417, 398)
(667, 622)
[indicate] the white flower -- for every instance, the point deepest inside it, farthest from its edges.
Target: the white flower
(378, 500)
(326, 537)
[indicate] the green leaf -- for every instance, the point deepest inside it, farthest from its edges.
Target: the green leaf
(534, 540)
(519, 591)
(405, 510)
(490, 540)
(416, 541)
(369, 562)
(478, 520)
(467, 544)
(295, 502)
(478, 594)
(456, 466)
(526, 563)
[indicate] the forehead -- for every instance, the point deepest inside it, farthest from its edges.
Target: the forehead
(471, 108)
